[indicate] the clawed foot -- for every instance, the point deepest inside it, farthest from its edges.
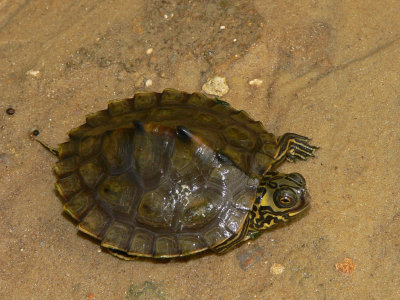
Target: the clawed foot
(294, 146)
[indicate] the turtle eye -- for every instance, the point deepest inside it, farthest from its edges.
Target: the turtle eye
(285, 199)
(286, 202)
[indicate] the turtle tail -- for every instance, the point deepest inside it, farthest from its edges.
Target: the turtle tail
(53, 151)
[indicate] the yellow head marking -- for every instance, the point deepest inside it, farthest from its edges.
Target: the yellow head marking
(279, 198)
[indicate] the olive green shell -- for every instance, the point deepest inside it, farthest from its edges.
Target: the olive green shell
(163, 174)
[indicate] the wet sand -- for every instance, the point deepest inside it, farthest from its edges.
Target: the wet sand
(328, 70)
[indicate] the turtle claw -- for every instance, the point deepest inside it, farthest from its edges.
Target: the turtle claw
(294, 146)
(299, 148)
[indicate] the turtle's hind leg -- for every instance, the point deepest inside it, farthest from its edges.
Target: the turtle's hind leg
(292, 146)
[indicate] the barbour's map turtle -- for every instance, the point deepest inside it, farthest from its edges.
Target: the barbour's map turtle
(172, 174)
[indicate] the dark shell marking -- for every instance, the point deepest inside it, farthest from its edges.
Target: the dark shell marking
(163, 175)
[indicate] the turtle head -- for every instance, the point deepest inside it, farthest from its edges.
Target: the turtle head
(280, 197)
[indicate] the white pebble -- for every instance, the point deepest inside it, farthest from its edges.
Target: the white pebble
(149, 82)
(276, 269)
(256, 82)
(149, 51)
(222, 27)
(34, 73)
(216, 86)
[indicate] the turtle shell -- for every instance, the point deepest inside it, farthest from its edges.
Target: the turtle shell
(163, 174)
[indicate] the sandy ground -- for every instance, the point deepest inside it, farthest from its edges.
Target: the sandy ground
(329, 70)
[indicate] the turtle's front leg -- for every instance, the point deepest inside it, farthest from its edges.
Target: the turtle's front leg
(292, 146)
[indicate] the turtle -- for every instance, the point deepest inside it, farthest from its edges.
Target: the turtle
(172, 174)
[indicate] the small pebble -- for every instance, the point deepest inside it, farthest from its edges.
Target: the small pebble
(222, 27)
(10, 111)
(149, 82)
(346, 267)
(149, 51)
(276, 269)
(34, 73)
(256, 82)
(249, 257)
(216, 86)
(91, 296)
(35, 132)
